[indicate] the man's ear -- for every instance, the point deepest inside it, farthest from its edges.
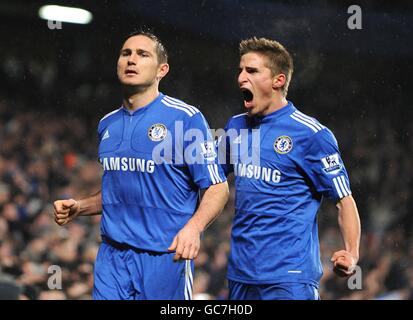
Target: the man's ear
(279, 81)
(162, 70)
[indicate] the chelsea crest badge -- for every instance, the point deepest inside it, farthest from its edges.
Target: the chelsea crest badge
(283, 144)
(157, 132)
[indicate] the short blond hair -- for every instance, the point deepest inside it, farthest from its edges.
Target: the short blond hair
(279, 59)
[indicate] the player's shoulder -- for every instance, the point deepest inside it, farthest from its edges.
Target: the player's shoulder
(179, 107)
(308, 124)
(238, 120)
(310, 129)
(111, 115)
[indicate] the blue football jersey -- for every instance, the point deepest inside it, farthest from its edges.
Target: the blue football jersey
(284, 164)
(155, 161)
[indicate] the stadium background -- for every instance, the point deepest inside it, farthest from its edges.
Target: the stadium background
(57, 84)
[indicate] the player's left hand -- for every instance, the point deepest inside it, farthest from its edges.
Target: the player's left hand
(186, 243)
(344, 263)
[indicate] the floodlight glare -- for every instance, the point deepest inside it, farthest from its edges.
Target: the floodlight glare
(65, 14)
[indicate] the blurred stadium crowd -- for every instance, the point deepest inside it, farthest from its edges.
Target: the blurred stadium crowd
(49, 153)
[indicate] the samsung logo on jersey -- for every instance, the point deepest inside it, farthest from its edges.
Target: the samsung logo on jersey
(255, 172)
(127, 164)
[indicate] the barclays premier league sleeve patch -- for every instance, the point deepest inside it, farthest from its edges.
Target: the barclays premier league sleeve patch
(331, 164)
(208, 150)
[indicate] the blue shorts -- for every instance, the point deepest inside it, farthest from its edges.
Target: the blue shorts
(125, 273)
(281, 291)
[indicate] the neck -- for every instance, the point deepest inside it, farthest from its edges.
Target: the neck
(138, 98)
(277, 103)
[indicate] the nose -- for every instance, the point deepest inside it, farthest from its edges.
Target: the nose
(242, 77)
(132, 59)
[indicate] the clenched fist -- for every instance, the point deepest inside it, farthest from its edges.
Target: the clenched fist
(65, 211)
(344, 263)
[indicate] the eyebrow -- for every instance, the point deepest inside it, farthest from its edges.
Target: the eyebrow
(128, 50)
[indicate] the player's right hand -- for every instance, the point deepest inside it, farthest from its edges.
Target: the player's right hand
(65, 211)
(187, 242)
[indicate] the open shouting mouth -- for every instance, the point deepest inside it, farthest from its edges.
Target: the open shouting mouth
(247, 96)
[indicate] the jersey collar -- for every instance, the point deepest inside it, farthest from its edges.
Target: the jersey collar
(142, 109)
(274, 116)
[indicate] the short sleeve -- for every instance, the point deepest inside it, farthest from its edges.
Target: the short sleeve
(200, 153)
(324, 166)
(224, 151)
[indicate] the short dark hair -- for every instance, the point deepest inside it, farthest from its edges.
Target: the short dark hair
(279, 59)
(160, 48)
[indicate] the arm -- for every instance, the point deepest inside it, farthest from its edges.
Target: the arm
(66, 210)
(349, 222)
(187, 242)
